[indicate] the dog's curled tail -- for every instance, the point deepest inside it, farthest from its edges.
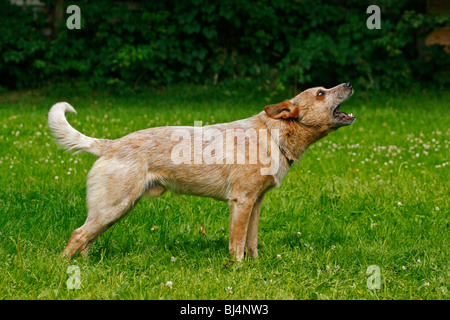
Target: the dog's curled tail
(69, 138)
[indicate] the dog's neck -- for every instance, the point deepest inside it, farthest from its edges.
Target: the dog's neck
(294, 136)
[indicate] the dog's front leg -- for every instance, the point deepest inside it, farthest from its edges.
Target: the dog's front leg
(252, 230)
(240, 211)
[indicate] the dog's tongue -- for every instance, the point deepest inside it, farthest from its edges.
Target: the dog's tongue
(342, 114)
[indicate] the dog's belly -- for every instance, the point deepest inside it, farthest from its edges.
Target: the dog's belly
(199, 187)
(199, 181)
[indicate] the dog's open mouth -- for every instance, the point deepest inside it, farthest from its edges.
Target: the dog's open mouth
(342, 116)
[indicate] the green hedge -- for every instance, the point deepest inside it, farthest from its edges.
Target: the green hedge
(293, 43)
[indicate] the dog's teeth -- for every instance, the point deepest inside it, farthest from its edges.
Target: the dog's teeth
(351, 114)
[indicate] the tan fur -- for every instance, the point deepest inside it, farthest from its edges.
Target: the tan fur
(141, 163)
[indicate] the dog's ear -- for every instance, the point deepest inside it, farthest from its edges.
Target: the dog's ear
(283, 110)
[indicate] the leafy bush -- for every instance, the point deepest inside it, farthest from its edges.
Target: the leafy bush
(22, 47)
(305, 42)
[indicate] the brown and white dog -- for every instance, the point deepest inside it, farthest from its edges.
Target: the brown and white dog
(238, 162)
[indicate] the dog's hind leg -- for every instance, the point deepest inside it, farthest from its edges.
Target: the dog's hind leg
(112, 192)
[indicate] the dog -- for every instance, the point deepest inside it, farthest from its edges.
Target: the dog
(200, 161)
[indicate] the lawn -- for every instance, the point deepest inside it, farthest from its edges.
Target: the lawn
(374, 193)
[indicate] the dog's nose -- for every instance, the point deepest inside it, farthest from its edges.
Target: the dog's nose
(348, 85)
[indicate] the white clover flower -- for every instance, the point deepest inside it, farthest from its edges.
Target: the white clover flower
(169, 284)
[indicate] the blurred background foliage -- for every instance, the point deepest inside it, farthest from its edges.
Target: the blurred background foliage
(283, 43)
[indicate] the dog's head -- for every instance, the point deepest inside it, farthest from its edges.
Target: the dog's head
(316, 107)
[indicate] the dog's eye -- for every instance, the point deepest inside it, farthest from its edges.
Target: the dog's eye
(320, 93)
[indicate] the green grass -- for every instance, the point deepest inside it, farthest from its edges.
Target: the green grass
(374, 193)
